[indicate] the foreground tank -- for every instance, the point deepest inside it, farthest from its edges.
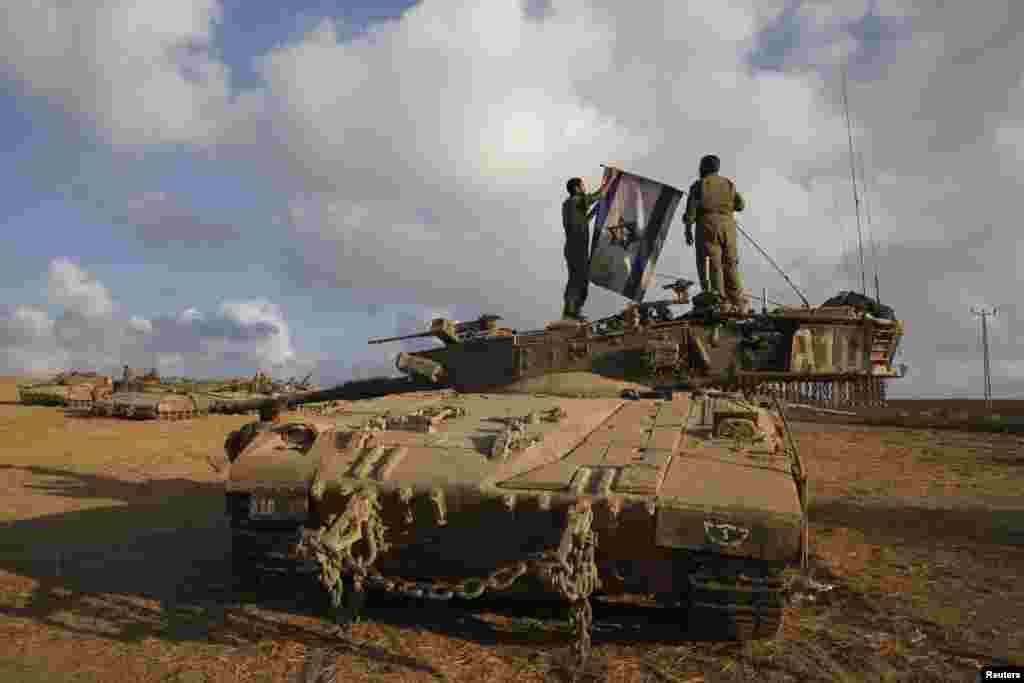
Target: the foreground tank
(71, 390)
(691, 497)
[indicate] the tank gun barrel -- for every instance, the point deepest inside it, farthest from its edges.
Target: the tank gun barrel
(448, 331)
(349, 391)
(385, 340)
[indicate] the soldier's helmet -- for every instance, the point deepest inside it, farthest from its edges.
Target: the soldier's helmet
(709, 164)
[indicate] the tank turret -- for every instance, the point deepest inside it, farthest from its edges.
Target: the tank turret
(834, 355)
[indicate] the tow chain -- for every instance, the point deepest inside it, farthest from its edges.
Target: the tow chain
(570, 569)
(333, 545)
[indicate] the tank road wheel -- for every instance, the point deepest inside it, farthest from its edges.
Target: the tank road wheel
(739, 605)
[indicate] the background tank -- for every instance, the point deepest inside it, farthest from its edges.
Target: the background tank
(144, 396)
(260, 385)
(153, 404)
(694, 498)
(72, 389)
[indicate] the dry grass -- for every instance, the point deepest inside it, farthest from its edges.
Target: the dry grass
(112, 567)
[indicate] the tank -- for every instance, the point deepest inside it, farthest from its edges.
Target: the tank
(238, 396)
(592, 487)
(71, 389)
(145, 396)
(152, 403)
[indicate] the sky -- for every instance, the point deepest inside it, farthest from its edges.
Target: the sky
(219, 187)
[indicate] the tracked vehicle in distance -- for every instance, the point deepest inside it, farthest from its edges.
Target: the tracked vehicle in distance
(145, 396)
(500, 465)
(67, 389)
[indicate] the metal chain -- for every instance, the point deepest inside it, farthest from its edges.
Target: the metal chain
(333, 544)
(570, 570)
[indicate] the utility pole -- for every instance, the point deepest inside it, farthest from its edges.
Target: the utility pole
(984, 312)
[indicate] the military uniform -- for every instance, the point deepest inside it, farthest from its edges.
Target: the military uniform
(710, 204)
(577, 249)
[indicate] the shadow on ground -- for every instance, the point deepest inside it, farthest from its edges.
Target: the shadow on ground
(155, 566)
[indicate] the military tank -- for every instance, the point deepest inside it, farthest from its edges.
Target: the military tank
(145, 396)
(70, 389)
(237, 396)
(504, 466)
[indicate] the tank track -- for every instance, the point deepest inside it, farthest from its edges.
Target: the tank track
(80, 404)
(129, 413)
(737, 601)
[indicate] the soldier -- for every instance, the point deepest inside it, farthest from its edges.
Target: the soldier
(710, 204)
(576, 221)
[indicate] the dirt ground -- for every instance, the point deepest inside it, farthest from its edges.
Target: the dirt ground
(113, 567)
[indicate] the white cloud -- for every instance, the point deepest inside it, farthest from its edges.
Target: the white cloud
(140, 325)
(482, 116)
(76, 291)
(141, 71)
(90, 334)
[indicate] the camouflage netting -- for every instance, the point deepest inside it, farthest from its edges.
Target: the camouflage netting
(861, 302)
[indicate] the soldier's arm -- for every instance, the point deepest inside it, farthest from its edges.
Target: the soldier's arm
(606, 184)
(692, 204)
(738, 204)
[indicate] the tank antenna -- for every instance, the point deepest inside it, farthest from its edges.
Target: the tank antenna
(869, 222)
(853, 179)
(807, 304)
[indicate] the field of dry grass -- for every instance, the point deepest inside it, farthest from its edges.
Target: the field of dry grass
(112, 567)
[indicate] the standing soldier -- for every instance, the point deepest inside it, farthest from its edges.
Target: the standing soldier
(710, 204)
(576, 221)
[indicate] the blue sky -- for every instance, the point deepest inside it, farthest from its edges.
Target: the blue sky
(63, 190)
(176, 225)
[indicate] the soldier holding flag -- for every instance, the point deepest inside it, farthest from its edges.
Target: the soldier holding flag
(576, 221)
